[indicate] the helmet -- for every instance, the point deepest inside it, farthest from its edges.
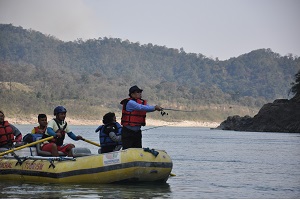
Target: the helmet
(59, 109)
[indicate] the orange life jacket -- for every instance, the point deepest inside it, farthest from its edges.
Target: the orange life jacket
(36, 129)
(6, 133)
(134, 118)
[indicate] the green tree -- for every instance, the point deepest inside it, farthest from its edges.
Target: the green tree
(296, 85)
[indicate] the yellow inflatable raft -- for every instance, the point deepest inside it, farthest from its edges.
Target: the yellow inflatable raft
(132, 165)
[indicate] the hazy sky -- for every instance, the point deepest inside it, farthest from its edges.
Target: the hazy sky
(214, 28)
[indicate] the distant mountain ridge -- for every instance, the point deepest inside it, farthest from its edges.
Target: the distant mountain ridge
(98, 71)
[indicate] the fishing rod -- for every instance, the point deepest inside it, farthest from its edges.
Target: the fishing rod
(162, 112)
(178, 110)
(153, 128)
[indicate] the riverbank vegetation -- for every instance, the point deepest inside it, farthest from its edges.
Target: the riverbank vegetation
(39, 72)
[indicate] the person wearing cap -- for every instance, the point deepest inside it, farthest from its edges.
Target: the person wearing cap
(58, 128)
(134, 111)
(8, 133)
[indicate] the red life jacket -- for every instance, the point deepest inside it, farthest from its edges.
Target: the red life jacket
(134, 118)
(6, 134)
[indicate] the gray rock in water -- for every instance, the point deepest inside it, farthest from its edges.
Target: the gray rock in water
(282, 115)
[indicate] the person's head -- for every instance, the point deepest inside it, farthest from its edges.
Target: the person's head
(42, 119)
(109, 118)
(135, 92)
(60, 112)
(2, 116)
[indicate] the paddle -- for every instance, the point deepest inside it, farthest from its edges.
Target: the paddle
(26, 145)
(91, 142)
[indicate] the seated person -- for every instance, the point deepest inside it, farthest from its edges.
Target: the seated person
(8, 133)
(58, 128)
(38, 131)
(110, 133)
(41, 129)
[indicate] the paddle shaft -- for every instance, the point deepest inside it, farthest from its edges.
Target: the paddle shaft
(26, 145)
(91, 142)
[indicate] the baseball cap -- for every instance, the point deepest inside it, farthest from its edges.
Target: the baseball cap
(134, 88)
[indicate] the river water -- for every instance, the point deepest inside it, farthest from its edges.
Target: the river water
(209, 164)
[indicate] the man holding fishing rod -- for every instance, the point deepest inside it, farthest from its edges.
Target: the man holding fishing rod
(134, 117)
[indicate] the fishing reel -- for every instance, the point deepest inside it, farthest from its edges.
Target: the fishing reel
(162, 112)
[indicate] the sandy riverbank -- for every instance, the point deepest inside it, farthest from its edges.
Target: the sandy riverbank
(150, 122)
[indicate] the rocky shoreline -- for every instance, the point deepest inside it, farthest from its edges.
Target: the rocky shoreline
(282, 115)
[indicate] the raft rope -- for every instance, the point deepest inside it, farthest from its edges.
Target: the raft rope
(51, 164)
(19, 159)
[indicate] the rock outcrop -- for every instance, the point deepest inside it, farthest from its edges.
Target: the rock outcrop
(282, 115)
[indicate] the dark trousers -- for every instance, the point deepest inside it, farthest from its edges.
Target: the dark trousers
(107, 149)
(131, 139)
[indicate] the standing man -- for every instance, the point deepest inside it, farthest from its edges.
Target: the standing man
(59, 128)
(133, 117)
(8, 133)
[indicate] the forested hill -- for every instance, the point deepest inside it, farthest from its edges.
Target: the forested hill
(40, 71)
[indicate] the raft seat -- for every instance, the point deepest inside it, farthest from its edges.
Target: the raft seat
(40, 152)
(79, 152)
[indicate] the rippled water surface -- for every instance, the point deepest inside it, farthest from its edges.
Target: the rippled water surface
(207, 163)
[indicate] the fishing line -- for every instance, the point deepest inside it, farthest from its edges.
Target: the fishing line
(162, 112)
(153, 128)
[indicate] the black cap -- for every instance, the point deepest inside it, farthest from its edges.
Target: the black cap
(134, 88)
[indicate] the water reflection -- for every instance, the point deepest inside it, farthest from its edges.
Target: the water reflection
(208, 164)
(88, 191)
